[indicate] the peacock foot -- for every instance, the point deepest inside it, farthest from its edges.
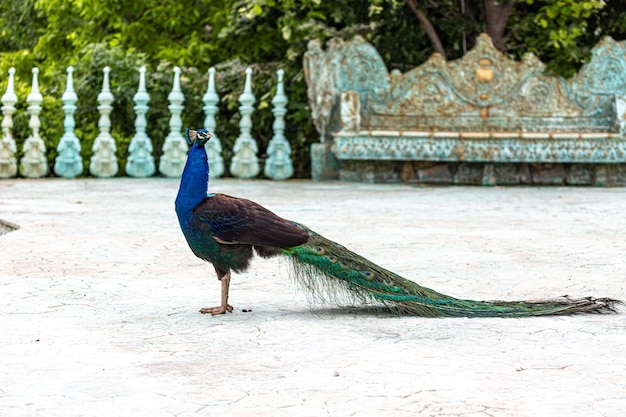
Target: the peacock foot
(217, 310)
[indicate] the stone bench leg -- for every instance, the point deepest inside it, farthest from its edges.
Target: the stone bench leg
(324, 165)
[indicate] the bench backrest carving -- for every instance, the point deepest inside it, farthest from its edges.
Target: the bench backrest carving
(482, 91)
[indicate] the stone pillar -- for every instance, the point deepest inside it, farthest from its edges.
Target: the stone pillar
(245, 163)
(214, 146)
(140, 162)
(8, 161)
(34, 164)
(175, 147)
(620, 110)
(104, 161)
(69, 162)
(350, 111)
(278, 165)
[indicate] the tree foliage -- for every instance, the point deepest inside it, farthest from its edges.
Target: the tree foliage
(265, 35)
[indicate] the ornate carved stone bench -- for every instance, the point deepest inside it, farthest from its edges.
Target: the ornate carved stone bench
(482, 119)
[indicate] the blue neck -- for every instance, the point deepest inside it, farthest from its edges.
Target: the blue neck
(194, 182)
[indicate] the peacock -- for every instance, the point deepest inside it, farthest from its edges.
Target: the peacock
(226, 231)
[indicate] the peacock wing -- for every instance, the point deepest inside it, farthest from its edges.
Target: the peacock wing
(240, 221)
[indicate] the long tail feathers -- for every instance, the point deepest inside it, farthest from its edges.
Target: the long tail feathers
(332, 272)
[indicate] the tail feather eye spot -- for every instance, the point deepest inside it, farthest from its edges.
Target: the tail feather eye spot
(320, 250)
(332, 258)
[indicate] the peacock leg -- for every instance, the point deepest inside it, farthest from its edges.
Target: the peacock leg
(224, 307)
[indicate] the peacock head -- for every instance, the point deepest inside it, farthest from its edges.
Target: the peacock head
(200, 136)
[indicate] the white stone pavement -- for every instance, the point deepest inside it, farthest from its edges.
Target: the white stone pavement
(99, 299)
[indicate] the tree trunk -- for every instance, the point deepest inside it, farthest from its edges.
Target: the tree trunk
(497, 13)
(427, 26)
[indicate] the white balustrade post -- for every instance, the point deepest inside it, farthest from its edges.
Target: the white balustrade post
(175, 148)
(8, 161)
(104, 160)
(69, 162)
(214, 146)
(140, 161)
(245, 163)
(34, 164)
(278, 165)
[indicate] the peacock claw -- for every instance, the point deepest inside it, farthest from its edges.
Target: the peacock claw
(217, 310)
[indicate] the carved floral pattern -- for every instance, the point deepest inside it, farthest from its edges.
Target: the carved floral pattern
(455, 148)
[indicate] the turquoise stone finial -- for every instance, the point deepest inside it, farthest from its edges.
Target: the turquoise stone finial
(214, 146)
(278, 165)
(245, 163)
(175, 148)
(104, 160)
(69, 162)
(140, 161)
(8, 161)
